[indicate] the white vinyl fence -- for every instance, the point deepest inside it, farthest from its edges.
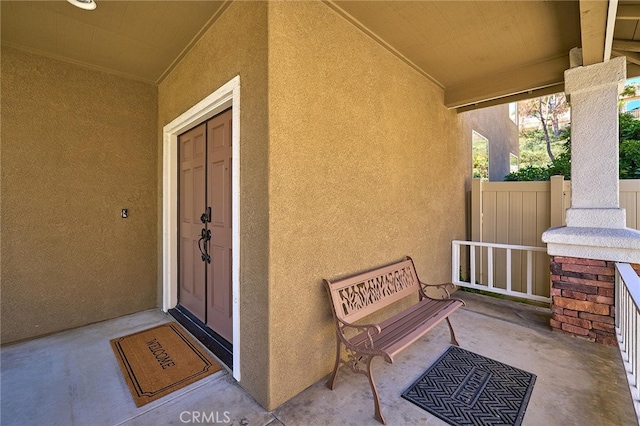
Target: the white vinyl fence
(502, 273)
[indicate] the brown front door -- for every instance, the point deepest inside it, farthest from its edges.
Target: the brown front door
(205, 223)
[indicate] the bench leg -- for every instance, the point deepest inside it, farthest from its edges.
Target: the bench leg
(332, 379)
(376, 399)
(453, 335)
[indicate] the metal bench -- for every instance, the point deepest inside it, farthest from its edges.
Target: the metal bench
(358, 296)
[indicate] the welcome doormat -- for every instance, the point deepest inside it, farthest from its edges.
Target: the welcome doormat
(160, 360)
(464, 388)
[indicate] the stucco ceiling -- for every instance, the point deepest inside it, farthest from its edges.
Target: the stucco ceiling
(480, 52)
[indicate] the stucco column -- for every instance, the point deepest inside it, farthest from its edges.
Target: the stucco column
(596, 226)
(593, 92)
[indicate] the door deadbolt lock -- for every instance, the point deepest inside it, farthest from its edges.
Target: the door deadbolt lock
(206, 216)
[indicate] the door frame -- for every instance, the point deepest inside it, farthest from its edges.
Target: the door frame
(223, 98)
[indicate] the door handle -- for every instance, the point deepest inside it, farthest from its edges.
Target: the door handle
(205, 237)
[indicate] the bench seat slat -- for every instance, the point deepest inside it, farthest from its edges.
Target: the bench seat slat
(401, 323)
(406, 327)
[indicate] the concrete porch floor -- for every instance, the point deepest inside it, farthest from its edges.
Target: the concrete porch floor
(72, 378)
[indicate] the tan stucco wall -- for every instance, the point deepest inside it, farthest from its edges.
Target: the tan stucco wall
(236, 44)
(494, 124)
(78, 145)
(366, 165)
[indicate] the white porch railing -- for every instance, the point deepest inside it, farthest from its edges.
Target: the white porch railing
(627, 324)
(490, 285)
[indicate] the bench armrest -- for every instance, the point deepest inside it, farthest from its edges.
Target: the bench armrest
(445, 289)
(370, 329)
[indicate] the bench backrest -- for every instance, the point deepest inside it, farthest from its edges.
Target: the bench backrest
(359, 295)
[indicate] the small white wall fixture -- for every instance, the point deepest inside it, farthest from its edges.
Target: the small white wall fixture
(223, 98)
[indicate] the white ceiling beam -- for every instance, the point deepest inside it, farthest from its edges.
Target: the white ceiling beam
(611, 25)
(514, 98)
(545, 74)
(626, 45)
(628, 12)
(593, 24)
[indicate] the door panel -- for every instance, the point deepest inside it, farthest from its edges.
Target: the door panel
(192, 203)
(219, 312)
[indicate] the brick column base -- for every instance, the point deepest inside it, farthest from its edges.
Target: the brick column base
(582, 294)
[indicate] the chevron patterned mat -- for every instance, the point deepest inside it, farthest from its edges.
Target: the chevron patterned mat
(464, 388)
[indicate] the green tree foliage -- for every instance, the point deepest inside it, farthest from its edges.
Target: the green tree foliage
(629, 91)
(548, 110)
(533, 150)
(480, 166)
(630, 159)
(527, 174)
(629, 127)
(480, 156)
(629, 150)
(629, 156)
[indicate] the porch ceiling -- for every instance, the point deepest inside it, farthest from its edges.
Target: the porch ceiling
(136, 39)
(480, 52)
